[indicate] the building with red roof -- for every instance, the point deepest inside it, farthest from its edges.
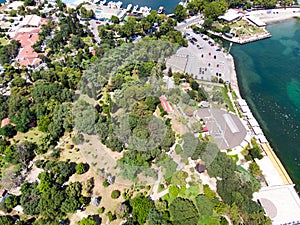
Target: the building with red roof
(166, 106)
(5, 122)
(27, 56)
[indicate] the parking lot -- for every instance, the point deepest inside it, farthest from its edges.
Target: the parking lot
(202, 58)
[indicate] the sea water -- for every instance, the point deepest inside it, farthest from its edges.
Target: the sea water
(169, 5)
(269, 79)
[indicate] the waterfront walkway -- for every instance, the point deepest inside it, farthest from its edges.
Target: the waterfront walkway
(276, 163)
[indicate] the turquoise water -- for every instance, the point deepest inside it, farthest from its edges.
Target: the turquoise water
(2, 1)
(269, 78)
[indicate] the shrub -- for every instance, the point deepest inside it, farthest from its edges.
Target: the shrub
(105, 183)
(101, 210)
(111, 217)
(81, 168)
(115, 194)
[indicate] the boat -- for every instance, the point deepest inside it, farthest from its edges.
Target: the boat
(160, 10)
(135, 8)
(129, 7)
(119, 4)
(102, 2)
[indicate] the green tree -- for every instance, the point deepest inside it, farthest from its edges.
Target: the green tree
(115, 194)
(214, 9)
(194, 85)
(51, 202)
(87, 221)
(183, 211)
(180, 13)
(85, 117)
(140, 208)
(115, 19)
(70, 205)
(204, 205)
(6, 220)
(12, 201)
(81, 168)
(254, 169)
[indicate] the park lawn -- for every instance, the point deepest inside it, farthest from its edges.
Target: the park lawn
(3, 41)
(243, 170)
(32, 135)
(227, 99)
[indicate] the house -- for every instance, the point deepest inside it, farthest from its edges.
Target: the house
(200, 168)
(164, 103)
(31, 21)
(230, 16)
(14, 6)
(4, 122)
(27, 56)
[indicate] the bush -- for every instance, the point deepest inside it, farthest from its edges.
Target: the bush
(111, 217)
(40, 163)
(105, 183)
(78, 139)
(115, 194)
(101, 210)
(178, 149)
(81, 168)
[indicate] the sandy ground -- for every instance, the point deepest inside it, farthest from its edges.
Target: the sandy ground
(272, 15)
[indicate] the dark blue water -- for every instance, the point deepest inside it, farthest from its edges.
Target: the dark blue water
(2, 1)
(269, 78)
(154, 4)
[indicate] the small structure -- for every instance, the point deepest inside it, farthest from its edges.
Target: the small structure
(27, 56)
(200, 168)
(110, 179)
(256, 21)
(166, 106)
(281, 204)
(31, 21)
(226, 128)
(14, 6)
(95, 201)
(204, 129)
(230, 16)
(5, 122)
(204, 104)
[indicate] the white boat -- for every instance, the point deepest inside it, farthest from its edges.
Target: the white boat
(102, 2)
(129, 7)
(119, 4)
(145, 10)
(160, 10)
(135, 8)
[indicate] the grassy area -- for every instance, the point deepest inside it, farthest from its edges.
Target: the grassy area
(3, 41)
(32, 135)
(234, 157)
(227, 100)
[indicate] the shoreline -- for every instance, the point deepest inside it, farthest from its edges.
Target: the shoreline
(269, 16)
(266, 147)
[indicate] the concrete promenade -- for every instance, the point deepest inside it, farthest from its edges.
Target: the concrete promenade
(276, 163)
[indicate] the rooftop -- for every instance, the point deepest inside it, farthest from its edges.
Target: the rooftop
(27, 56)
(281, 204)
(226, 128)
(230, 15)
(31, 21)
